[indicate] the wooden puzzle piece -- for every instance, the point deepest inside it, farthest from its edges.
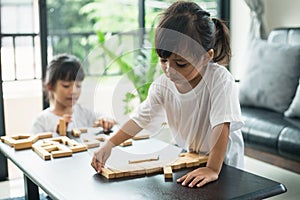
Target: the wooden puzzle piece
(141, 137)
(24, 141)
(61, 151)
(72, 144)
(76, 132)
(91, 143)
(154, 158)
(108, 173)
(168, 172)
(188, 159)
(145, 166)
(100, 138)
(62, 129)
(51, 148)
(126, 143)
(94, 141)
(44, 154)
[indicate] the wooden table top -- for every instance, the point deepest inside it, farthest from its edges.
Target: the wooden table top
(74, 178)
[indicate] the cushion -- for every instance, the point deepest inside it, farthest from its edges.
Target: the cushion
(271, 75)
(294, 109)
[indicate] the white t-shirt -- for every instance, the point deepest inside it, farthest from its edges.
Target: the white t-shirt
(193, 115)
(47, 120)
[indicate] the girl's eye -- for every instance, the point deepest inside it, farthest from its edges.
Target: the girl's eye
(66, 86)
(181, 65)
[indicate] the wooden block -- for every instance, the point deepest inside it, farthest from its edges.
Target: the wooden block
(91, 143)
(136, 172)
(78, 148)
(168, 172)
(8, 140)
(154, 158)
(62, 127)
(117, 173)
(141, 137)
(45, 135)
(61, 139)
(41, 152)
(61, 153)
(107, 173)
(21, 136)
(34, 138)
(69, 142)
(47, 143)
(83, 130)
(100, 138)
(126, 143)
(50, 148)
(178, 164)
(76, 132)
(18, 142)
(152, 170)
(23, 144)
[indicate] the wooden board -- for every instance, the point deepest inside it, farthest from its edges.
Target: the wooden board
(145, 160)
(24, 141)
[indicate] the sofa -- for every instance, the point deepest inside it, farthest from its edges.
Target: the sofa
(270, 99)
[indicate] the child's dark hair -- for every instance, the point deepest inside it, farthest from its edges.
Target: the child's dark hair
(190, 20)
(63, 67)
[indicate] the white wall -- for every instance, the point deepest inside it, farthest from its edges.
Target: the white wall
(278, 13)
(22, 103)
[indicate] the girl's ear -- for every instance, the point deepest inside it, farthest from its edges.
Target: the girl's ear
(211, 53)
(49, 87)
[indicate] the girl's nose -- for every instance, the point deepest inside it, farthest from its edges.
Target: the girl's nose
(168, 68)
(74, 89)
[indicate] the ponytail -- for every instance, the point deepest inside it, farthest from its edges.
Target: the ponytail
(221, 43)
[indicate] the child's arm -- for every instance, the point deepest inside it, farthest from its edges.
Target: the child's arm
(204, 175)
(128, 130)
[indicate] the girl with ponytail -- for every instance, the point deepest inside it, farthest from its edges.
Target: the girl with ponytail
(196, 93)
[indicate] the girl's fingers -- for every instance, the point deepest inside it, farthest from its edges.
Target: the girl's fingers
(196, 180)
(203, 182)
(182, 178)
(96, 164)
(187, 179)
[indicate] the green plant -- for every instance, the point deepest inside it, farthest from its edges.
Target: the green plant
(146, 60)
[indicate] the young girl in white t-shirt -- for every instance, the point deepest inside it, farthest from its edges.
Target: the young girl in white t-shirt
(63, 81)
(197, 94)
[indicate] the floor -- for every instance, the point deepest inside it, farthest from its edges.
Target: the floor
(14, 187)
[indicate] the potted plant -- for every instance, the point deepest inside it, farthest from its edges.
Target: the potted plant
(141, 73)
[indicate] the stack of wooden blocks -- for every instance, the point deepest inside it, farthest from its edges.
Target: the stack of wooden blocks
(185, 160)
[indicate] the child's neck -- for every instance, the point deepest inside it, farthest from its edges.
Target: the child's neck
(188, 86)
(191, 84)
(61, 110)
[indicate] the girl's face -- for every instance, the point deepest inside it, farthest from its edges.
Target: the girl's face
(66, 93)
(178, 69)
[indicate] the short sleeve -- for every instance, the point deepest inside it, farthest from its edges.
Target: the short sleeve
(225, 106)
(150, 113)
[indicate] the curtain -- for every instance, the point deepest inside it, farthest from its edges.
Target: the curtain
(257, 28)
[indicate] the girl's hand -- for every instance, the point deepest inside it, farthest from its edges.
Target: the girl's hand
(105, 123)
(198, 177)
(100, 156)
